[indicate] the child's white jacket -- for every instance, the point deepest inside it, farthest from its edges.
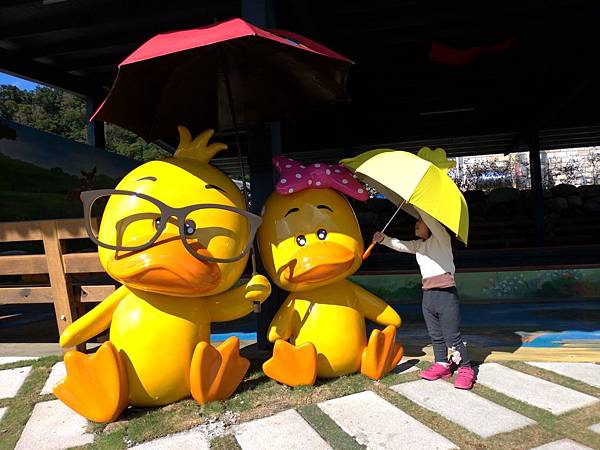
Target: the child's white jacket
(434, 255)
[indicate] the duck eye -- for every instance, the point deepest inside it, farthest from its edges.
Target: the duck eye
(322, 234)
(301, 240)
(189, 227)
(157, 223)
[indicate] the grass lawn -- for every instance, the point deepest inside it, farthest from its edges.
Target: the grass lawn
(259, 397)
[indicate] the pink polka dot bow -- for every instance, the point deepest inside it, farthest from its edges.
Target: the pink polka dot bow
(296, 177)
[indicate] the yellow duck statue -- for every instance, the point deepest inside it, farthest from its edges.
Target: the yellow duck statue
(177, 235)
(310, 243)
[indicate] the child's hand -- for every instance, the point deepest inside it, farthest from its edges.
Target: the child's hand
(378, 237)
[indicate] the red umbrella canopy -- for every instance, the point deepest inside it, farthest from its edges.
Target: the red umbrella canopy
(182, 78)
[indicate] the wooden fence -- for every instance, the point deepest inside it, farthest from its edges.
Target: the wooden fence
(66, 296)
(69, 295)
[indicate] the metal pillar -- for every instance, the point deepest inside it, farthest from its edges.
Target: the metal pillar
(259, 13)
(260, 152)
(537, 189)
(261, 149)
(95, 129)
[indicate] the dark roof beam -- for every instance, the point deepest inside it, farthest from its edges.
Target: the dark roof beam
(456, 23)
(92, 61)
(107, 38)
(13, 63)
(413, 13)
(72, 46)
(100, 22)
(6, 4)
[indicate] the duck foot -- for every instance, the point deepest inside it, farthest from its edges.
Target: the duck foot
(382, 353)
(215, 373)
(291, 365)
(95, 386)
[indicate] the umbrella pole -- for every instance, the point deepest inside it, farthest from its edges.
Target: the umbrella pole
(367, 252)
(257, 306)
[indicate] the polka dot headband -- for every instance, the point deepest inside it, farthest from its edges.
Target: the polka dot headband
(296, 177)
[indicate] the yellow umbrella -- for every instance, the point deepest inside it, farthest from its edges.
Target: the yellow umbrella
(419, 180)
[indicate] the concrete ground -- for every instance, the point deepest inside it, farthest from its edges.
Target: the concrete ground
(506, 402)
(522, 405)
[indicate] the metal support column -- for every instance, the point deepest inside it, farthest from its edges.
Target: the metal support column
(259, 12)
(264, 142)
(95, 129)
(537, 189)
(260, 151)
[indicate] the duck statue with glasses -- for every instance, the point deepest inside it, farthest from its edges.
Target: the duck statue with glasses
(177, 235)
(310, 243)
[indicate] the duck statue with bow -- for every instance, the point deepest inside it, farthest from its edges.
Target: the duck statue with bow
(310, 243)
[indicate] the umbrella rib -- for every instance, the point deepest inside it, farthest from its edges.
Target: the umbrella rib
(394, 215)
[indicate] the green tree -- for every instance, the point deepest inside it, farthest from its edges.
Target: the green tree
(62, 113)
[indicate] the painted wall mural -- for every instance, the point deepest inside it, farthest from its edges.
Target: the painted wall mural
(509, 310)
(478, 286)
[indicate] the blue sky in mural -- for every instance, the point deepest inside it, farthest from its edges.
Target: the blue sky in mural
(18, 82)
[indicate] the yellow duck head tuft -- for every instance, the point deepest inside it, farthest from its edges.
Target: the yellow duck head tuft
(167, 266)
(437, 157)
(198, 148)
(309, 239)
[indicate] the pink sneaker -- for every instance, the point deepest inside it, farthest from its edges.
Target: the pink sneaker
(465, 377)
(435, 372)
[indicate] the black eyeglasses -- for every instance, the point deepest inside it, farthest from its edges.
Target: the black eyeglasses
(141, 219)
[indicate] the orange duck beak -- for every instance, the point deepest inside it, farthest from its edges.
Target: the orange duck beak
(318, 262)
(166, 267)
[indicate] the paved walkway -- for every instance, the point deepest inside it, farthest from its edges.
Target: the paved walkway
(529, 389)
(366, 417)
(442, 398)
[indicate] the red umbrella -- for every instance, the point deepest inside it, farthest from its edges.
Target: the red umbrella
(221, 76)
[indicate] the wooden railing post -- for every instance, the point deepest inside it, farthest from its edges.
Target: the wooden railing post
(62, 292)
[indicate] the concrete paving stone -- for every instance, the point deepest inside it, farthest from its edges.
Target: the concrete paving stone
(54, 426)
(2, 411)
(11, 381)
(286, 430)
(587, 372)
(14, 359)
(463, 407)
(543, 394)
(563, 444)
(595, 428)
(58, 373)
(377, 424)
(190, 440)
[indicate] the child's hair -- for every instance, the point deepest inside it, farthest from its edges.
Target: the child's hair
(428, 229)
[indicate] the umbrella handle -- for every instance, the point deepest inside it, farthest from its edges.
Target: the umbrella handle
(367, 252)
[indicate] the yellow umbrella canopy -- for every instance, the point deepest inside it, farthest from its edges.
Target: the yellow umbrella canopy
(419, 180)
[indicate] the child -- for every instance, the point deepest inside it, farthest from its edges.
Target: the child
(441, 308)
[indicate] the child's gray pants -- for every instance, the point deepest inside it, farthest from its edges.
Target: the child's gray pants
(441, 310)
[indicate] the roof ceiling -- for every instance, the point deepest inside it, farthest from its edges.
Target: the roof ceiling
(545, 77)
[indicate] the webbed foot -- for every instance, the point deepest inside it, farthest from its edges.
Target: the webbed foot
(215, 373)
(382, 353)
(96, 386)
(291, 365)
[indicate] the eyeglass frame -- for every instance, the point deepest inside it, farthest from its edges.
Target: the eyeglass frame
(89, 197)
